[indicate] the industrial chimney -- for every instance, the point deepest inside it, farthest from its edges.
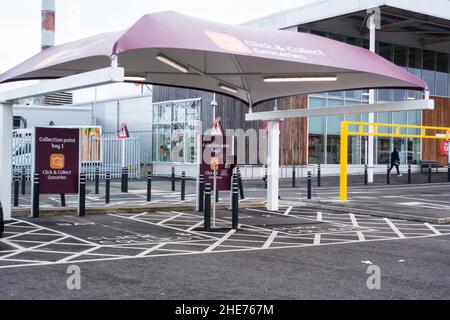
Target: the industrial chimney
(48, 24)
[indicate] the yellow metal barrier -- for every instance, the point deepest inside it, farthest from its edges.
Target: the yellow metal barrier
(440, 133)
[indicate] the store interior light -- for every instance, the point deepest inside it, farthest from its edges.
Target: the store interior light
(171, 62)
(301, 79)
(227, 88)
(135, 79)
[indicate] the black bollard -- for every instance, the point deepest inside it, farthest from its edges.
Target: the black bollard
(429, 173)
(409, 174)
(16, 189)
(201, 193)
(388, 176)
(124, 187)
(24, 181)
(173, 179)
(149, 186)
(63, 200)
(240, 184)
(207, 211)
(183, 186)
(2, 221)
(35, 211)
(366, 175)
(309, 185)
(448, 174)
(82, 196)
(293, 177)
(235, 204)
(97, 180)
(319, 176)
(108, 188)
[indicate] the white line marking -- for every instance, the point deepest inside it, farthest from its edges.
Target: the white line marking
(139, 215)
(144, 253)
(319, 216)
(394, 228)
(356, 225)
(288, 211)
(270, 240)
(317, 237)
(221, 240)
(195, 226)
(435, 231)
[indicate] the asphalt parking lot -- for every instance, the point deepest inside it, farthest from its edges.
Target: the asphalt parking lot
(296, 253)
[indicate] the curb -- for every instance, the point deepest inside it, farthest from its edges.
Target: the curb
(408, 217)
(21, 213)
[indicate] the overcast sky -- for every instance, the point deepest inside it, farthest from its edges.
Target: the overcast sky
(75, 19)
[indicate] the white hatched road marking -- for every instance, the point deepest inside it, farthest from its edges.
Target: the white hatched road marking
(317, 238)
(319, 216)
(270, 240)
(288, 211)
(394, 228)
(356, 225)
(220, 241)
(435, 231)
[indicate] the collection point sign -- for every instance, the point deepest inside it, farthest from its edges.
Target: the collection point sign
(57, 160)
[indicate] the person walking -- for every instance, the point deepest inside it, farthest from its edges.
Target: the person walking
(395, 162)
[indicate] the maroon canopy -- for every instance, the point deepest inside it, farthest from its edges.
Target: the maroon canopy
(218, 56)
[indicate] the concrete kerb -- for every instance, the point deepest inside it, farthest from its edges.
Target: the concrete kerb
(346, 209)
(17, 213)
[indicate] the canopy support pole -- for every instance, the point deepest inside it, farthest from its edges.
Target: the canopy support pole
(273, 164)
(6, 127)
(370, 145)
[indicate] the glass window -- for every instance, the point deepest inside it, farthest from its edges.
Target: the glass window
(400, 118)
(383, 150)
(401, 56)
(415, 61)
(442, 74)
(165, 113)
(164, 143)
(429, 67)
(354, 150)
(413, 151)
(384, 117)
(316, 125)
(352, 96)
(316, 103)
(316, 145)
(386, 50)
(354, 41)
(414, 119)
(336, 37)
(400, 95)
(384, 95)
(333, 149)
(334, 124)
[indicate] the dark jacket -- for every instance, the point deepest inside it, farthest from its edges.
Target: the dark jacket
(395, 157)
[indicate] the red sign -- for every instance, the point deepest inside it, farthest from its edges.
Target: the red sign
(123, 131)
(217, 153)
(57, 160)
(443, 148)
(216, 129)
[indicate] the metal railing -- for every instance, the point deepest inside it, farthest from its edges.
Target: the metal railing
(104, 153)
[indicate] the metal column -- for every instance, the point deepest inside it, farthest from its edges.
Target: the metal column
(6, 126)
(273, 164)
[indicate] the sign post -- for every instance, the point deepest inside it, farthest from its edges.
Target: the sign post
(57, 160)
(217, 161)
(123, 134)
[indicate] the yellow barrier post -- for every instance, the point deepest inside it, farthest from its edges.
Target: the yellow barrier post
(344, 160)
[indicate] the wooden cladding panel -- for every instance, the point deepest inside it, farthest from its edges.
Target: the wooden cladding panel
(440, 117)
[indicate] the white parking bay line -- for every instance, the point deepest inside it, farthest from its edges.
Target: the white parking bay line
(435, 231)
(288, 211)
(270, 240)
(317, 238)
(169, 219)
(319, 216)
(394, 228)
(220, 241)
(356, 225)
